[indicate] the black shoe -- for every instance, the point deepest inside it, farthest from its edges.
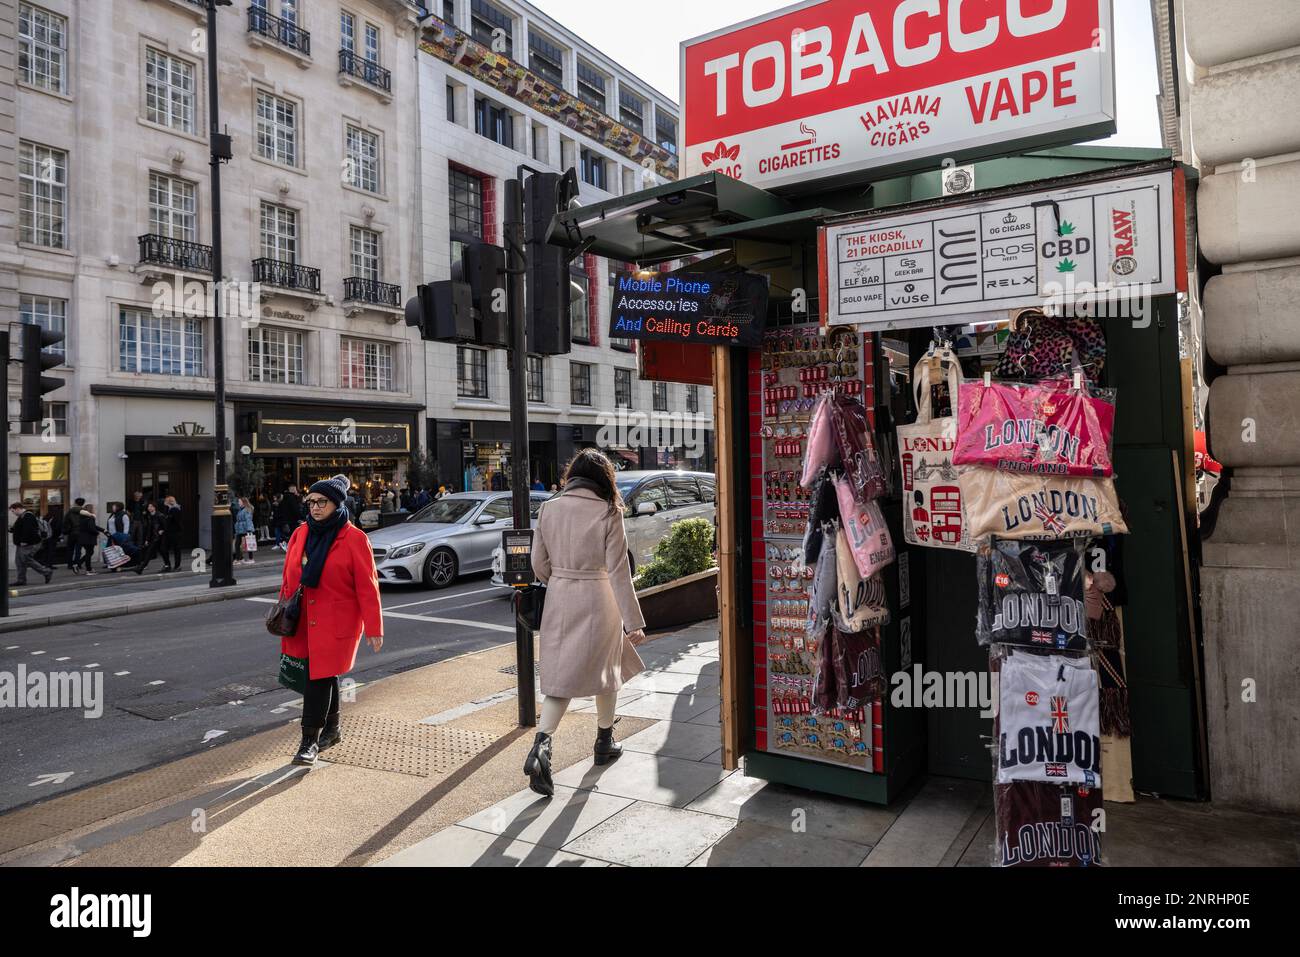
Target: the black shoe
(606, 749)
(139, 569)
(310, 748)
(538, 765)
(49, 575)
(330, 734)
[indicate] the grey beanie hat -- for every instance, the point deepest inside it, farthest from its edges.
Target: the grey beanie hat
(335, 489)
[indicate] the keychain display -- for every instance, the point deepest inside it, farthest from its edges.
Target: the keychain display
(1048, 725)
(932, 501)
(1047, 825)
(1032, 593)
(1045, 428)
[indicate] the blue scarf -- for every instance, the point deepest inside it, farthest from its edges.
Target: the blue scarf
(320, 536)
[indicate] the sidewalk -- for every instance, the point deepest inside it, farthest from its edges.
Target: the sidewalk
(429, 773)
(64, 580)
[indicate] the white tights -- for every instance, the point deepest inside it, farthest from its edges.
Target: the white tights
(553, 710)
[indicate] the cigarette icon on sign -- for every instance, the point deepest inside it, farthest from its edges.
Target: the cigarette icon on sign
(808, 132)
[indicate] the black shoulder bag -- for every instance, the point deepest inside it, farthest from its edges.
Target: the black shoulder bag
(529, 602)
(282, 619)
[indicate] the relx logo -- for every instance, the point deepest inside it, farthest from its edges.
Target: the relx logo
(77, 910)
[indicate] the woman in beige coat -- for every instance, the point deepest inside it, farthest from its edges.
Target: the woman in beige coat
(592, 619)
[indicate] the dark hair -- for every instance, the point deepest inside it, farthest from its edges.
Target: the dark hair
(591, 464)
(78, 501)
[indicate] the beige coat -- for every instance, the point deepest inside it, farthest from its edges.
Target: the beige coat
(580, 553)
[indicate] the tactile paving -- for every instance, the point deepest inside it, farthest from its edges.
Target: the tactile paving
(385, 744)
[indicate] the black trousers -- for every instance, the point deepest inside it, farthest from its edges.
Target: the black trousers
(172, 553)
(320, 702)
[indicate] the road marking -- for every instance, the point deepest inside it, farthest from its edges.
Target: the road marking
(38, 652)
(160, 682)
(12, 647)
(93, 664)
(57, 778)
(211, 735)
(451, 621)
(118, 674)
(64, 658)
(427, 601)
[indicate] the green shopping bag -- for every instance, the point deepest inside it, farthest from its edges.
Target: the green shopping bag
(293, 673)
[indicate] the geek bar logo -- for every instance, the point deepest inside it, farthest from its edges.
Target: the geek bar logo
(77, 910)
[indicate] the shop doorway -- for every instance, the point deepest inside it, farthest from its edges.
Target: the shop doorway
(158, 476)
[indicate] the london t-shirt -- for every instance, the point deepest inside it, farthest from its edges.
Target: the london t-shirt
(1032, 593)
(1049, 720)
(1047, 825)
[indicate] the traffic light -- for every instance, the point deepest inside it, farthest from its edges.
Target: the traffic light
(35, 361)
(549, 286)
(484, 268)
(442, 311)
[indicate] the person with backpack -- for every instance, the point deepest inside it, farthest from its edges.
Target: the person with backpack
(71, 523)
(29, 532)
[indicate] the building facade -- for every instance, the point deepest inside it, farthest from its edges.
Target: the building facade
(113, 243)
(502, 84)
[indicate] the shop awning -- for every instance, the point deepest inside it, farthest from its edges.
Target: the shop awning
(796, 226)
(669, 221)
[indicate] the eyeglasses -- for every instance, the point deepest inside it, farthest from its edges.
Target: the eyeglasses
(316, 502)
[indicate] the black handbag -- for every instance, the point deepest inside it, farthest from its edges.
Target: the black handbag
(282, 619)
(529, 602)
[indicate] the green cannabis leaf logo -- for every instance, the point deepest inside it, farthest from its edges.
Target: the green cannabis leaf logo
(1067, 228)
(1066, 265)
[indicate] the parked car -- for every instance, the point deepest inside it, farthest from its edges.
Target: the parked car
(447, 538)
(653, 502)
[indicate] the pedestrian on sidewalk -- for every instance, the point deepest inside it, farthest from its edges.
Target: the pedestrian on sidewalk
(150, 537)
(288, 514)
(71, 525)
(88, 532)
(592, 619)
(331, 559)
(243, 528)
(173, 529)
(27, 537)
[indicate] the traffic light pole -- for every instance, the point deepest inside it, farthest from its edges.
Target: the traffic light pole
(517, 359)
(222, 559)
(4, 463)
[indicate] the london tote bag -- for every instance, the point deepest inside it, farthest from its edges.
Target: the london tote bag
(933, 512)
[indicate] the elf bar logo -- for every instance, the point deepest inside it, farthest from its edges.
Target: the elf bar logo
(76, 910)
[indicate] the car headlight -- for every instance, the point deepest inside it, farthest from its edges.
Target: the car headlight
(406, 551)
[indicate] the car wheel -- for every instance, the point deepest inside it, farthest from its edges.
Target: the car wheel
(440, 568)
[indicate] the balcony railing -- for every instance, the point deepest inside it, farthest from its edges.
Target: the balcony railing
(175, 253)
(365, 70)
(280, 30)
(356, 289)
(284, 275)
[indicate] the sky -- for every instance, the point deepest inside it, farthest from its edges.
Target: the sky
(644, 36)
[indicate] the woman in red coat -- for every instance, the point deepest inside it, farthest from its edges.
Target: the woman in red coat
(331, 558)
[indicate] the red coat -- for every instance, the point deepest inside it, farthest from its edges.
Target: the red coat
(334, 614)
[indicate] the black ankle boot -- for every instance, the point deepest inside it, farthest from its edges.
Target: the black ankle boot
(606, 749)
(310, 748)
(538, 765)
(330, 734)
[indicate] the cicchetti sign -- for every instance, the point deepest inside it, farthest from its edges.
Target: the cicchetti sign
(828, 88)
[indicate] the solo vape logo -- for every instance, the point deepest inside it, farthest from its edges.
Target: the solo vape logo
(76, 910)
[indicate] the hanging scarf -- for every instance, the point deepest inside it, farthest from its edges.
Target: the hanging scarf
(320, 536)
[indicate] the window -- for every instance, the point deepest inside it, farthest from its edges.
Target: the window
(172, 208)
(494, 122)
(614, 341)
(540, 142)
(471, 372)
(485, 20)
(277, 129)
(466, 194)
(591, 85)
(42, 49)
(366, 259)
(279, 227)
(42, 195)
(49, 314)
(275, 355)
(366, 365)
(372, 43)
(535, 379)
(622, 388)
(660, 390)
(652, 491)
(545, 58)
(683, 491)
(692, 398)
(579, 321)
(159, 345)
(631, 110)
(579, 383)
(449, 12)
(347, 32)
(451, 103)
(168, 91)
(708, 491)
(666, 130)
(362, 152)
(593, 170)
(58, 411)
(500, 509)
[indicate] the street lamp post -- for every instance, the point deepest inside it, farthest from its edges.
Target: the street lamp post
(222, 559)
